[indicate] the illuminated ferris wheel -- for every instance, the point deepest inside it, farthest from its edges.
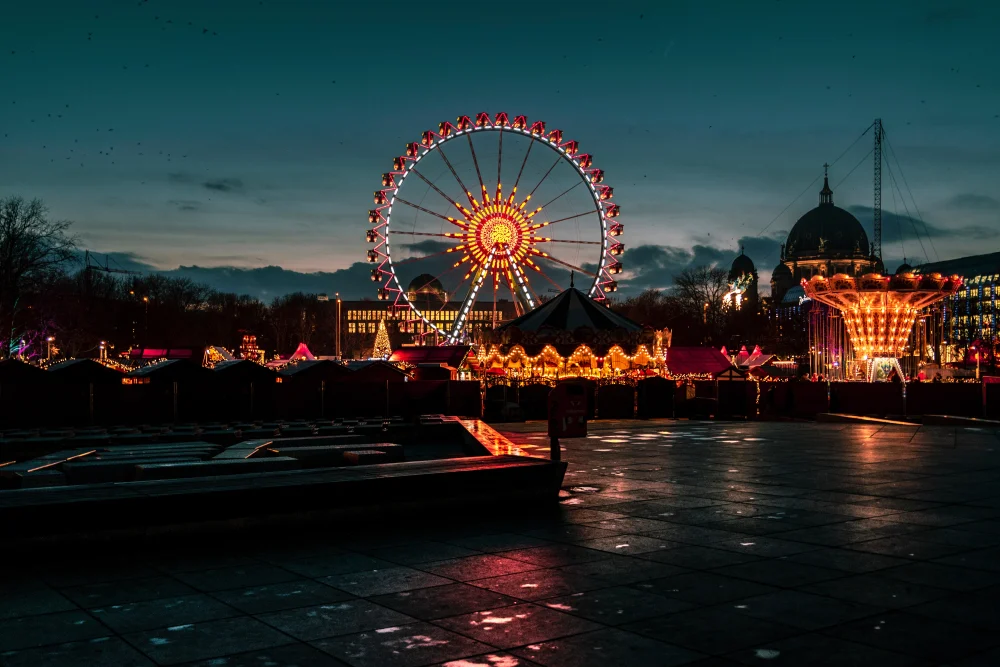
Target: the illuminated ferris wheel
(445, 224)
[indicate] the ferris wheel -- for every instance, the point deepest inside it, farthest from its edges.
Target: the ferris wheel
(447, 233)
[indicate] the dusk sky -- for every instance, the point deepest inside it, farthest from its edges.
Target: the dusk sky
(243, 135)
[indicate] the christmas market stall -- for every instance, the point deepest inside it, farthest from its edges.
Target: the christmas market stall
(87, 391)
(23, 389)
(305, 386)
(244, 390)
(167, 391)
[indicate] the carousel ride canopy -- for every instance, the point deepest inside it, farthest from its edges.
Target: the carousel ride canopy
(879, 311)
(574, 333)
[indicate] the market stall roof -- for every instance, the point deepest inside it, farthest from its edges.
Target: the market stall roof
(165, 353)
(172, 370)
(696, 361)
(449, 355)
(243, 369)
(571, 310)
(301, 352)
(85, 370)
(13, 371)
(375, 370)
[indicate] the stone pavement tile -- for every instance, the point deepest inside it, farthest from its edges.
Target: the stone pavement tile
(568, 533)
(492, 659)
(780, 572)
(803, 610)
(981, 559)
(705, 588)
(129, 590)
(755, 526)
(556, 555)
(478, 567)
(380, 582)
(508, 627)
(623, 569)
(699, 558)
(628, 544)
(617, 605)
(714, 631)
(764, 547)
(587, 516)
(212, 639)
(990, 658)
(877, 590)
(959, 537)
(441, 601)
(978, 609)
(953, 515)
(817, 650)
(632, 525)
(421, 552)
(324, 565)
(492, 543)
(541, 584)
(606, 648)
(276, 597)
(192, 561)
(653, 508)
(918, 636)
(63, 575)
(846, 560)
(149, 614)
(907, 546)
(29, 598)
(943, 576)
(337, 618)
(242, 576)
(58, 628)
(288, 655)
(99, 651)
(991, 527)
(401, 646)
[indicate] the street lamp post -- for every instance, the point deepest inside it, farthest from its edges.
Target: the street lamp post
(338, 324)
(48, 347)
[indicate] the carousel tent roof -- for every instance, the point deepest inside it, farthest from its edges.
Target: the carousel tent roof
(696, 360)
(571, 310)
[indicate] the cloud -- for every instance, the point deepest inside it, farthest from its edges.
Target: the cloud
(186, 204)
(895, 226)
(427, 247)
(973, 202)
(182, 178)
(224, 185)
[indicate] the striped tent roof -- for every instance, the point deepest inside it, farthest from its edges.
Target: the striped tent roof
(569, 311)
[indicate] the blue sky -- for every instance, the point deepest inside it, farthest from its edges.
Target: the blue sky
(255, 135)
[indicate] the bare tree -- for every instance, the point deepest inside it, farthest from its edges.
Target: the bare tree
(31, 245)
(700, 290)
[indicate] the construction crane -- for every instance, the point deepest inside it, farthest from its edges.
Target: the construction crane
(877, 208)
(91, 265)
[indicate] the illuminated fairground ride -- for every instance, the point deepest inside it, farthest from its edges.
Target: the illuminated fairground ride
(441, 214)
(879, 312)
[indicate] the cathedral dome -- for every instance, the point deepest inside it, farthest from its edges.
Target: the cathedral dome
(742, 265)
(827, 232)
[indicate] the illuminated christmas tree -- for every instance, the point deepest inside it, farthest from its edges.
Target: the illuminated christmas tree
(382, 348)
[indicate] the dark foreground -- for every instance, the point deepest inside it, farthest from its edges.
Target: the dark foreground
(674, 543)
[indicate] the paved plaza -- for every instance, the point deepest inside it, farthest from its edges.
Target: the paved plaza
(675, 543)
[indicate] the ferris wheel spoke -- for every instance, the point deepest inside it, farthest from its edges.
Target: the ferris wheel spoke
(521, 170)
(568, 217)
(548, 240)
(444, 236)
(455, 174)
(499, 163)
(479, 175)
(438, 190)
(566, 264)
(566, 191)
(430, 212)
(536, 267)
(558, 159)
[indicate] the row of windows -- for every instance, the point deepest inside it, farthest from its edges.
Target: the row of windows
(434, 316)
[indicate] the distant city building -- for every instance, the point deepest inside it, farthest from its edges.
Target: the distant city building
(427, 294)
(970, 315)
(825, 241)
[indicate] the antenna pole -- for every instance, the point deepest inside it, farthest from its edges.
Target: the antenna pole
(877, 209)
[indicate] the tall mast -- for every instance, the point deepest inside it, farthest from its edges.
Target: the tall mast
(877, 209)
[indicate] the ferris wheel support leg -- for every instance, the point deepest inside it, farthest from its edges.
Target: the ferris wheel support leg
(470, 299)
